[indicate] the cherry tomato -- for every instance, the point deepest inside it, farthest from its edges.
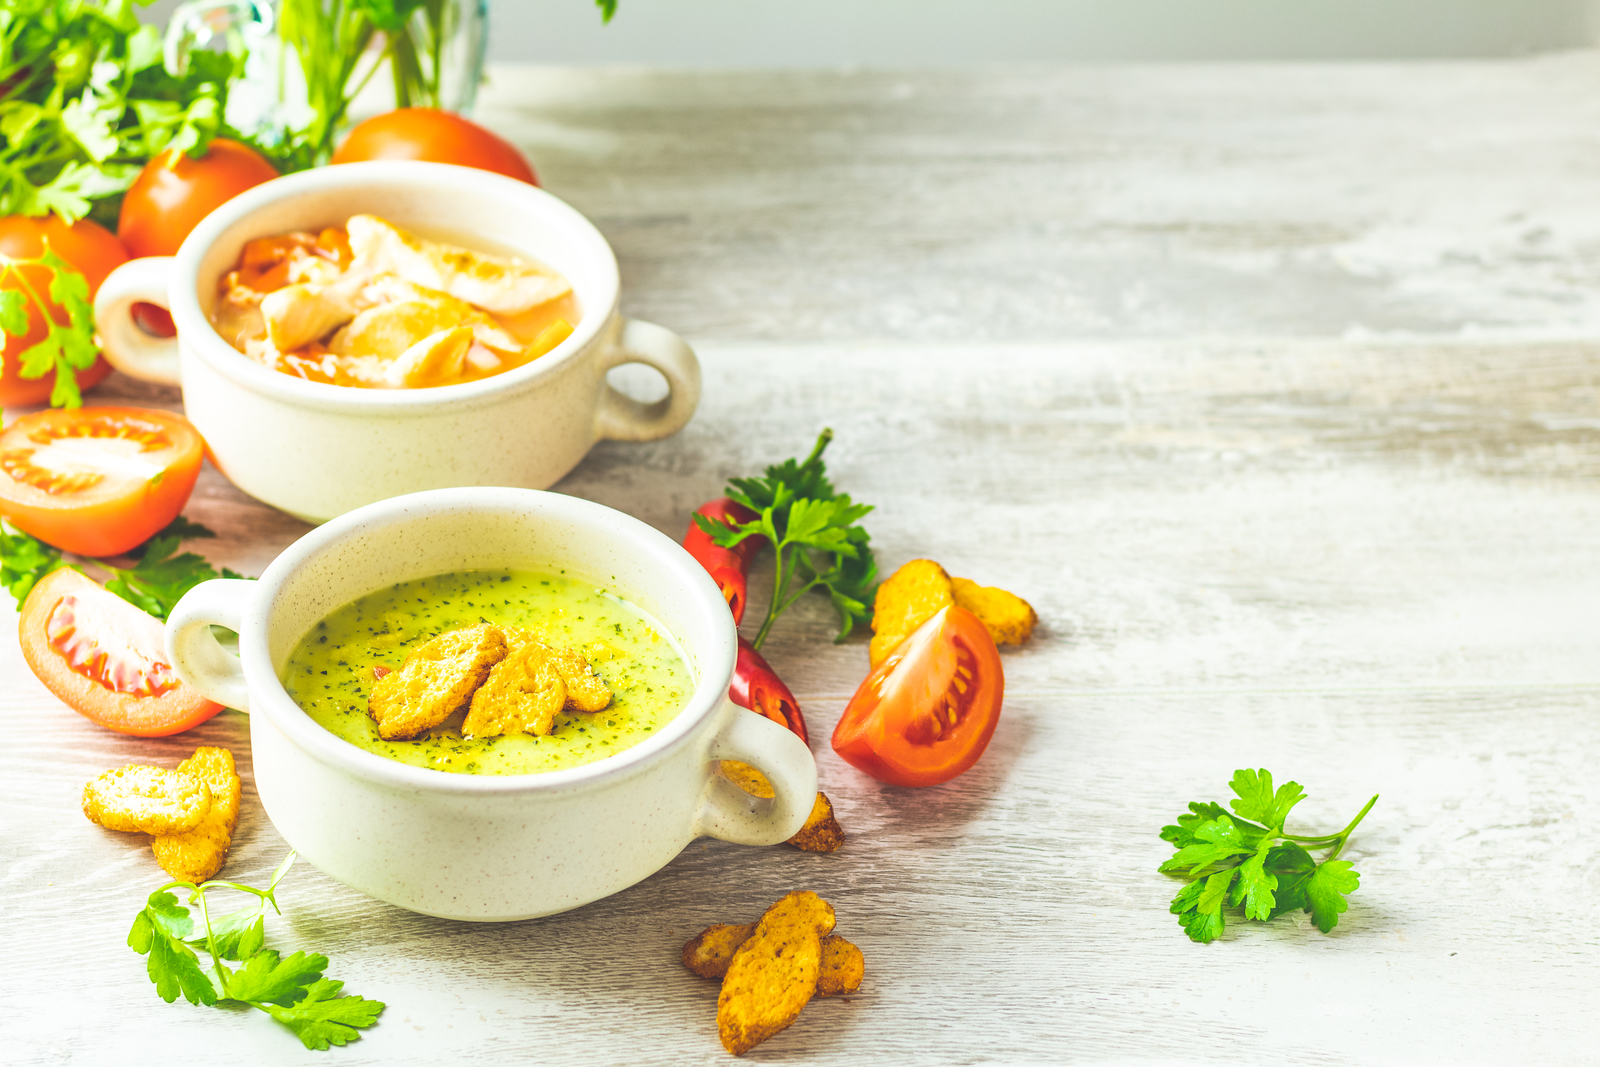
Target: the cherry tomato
(106, 659)
(97, 481)
(437, 137)
(93, 251)
(173, 193)
(925, 714)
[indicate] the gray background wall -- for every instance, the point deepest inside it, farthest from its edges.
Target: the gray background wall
(778, 33)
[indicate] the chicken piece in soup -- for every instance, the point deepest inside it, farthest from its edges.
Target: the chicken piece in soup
(372, 306)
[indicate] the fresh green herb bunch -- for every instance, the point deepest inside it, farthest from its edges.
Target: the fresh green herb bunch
(290, 988)
(813, 531)
(85, 102)
(1247, 861)
(154, 583)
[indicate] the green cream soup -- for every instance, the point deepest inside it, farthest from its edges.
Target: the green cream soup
(330, 672)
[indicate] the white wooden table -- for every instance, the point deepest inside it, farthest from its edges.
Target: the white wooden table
(1275, 389)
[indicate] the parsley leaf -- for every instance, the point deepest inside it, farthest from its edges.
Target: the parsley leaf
(289, 988)
(158, 932)
(1256, 799)
(24, 560)
(1255, 866)
(322, 1018)
(270, 979)
(1326, 891)
(64, 349)
(158, 581)
(153, 584)
(815, 536)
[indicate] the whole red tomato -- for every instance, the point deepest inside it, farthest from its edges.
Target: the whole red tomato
(93, 251)
(173, 193)
(436, 137)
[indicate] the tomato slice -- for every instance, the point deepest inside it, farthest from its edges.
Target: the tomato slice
(106, 659)
(925, 714)
(97, 481)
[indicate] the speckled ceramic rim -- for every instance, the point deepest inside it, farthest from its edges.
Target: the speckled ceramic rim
(231, 225)
(714, 651)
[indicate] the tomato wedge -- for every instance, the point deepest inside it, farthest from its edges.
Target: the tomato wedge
(97, 481)
(925, 714)
(106, 659)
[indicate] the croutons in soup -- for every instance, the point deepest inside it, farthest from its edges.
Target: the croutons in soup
(490, 672)
(373, 306)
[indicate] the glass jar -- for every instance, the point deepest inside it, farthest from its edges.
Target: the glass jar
(314, 67)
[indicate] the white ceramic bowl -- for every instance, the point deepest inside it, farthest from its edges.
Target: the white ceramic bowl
(487, 847)
(318, 450)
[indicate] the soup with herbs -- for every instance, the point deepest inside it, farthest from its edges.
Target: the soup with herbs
(490, 672)
(373, 306)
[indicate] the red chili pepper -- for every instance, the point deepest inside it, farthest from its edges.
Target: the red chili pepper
(728, 567)
(757, 686)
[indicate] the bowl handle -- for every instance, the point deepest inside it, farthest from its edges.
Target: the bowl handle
(126, 347)
(622, 418)
(728, 812)
(196, 656)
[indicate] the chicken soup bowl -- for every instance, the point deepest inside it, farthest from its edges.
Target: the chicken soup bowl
(491, 847)
(316, 449)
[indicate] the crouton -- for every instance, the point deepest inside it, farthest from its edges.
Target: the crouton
(198, 854)
(1008, 618)
(146, 800)
(438, 677)
(522, 694)
(585, 691)
(748, 778)
(821, 833)
(908, 598)
(773, 975)
(843, 967)
(709, 953)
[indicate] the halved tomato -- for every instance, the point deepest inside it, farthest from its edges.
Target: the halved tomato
(97, 481)
(926, 713)
(106, 659)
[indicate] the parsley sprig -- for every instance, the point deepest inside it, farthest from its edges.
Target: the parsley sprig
(289, 988)
(813, 532)
(64, 349)
(154, 583)
(85, 101)
(1248, 861)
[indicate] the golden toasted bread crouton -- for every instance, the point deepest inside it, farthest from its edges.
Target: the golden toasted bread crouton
(521, 695)
(198, 854)
(710, 951)
(908, 598)
(438, 677)
(748, 778)
(843, 967)
(585, 691)
(1008, 618)
(821, 833)
(146, 800)
(773, 975)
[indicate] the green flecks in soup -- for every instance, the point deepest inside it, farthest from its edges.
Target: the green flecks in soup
(330, 673)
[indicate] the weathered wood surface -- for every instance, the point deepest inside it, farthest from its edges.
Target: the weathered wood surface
(1364, 563)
